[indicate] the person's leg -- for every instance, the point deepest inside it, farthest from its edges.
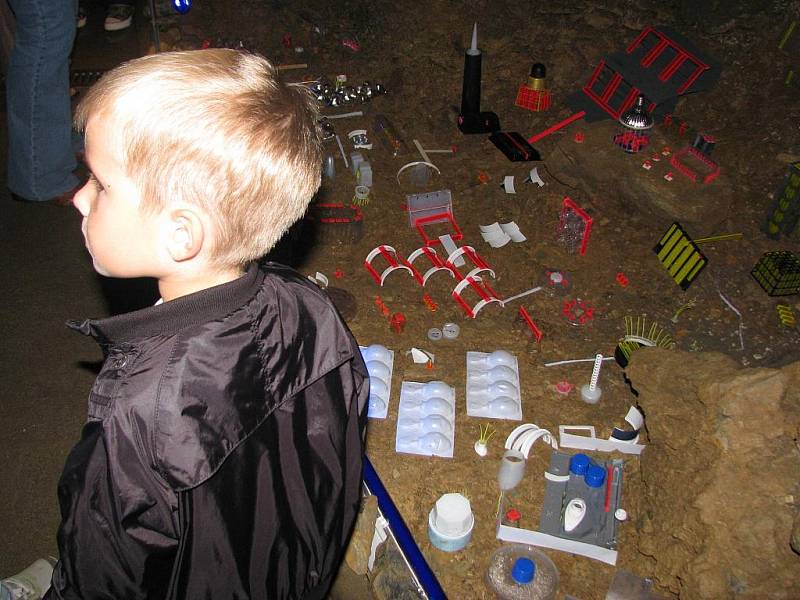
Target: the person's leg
(41, 158)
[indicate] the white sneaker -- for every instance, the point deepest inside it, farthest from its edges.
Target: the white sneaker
(82, 17)
(32, 583)
(119, 16)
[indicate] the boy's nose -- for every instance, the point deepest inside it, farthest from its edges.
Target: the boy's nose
(83, 200)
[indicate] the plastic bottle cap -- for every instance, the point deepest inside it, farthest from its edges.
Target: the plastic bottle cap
(450, 330)
(523, 570)
(595, 476)
(578, 464)
(453, 515)
(434, 334)
(513, 514)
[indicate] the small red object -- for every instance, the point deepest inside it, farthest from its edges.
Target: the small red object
(577, 311)
(564, 387)
(579, 137)
(609, 480)
(352, 44)
(338, 273)
(483, 177)
(537, 333)
(205, 44)
(453, 148)
(513, 516)
(669, 176)
(621, 279)
(683, 127)
(647, 165)
(397, 322)
(429, 303)
(286, 40)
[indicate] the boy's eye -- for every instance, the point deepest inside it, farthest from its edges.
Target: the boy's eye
(97, 185)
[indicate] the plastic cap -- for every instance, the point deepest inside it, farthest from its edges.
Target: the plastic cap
(453, 515)
(538, 71)
(595, 476)
(578, 464)
(523, 570)
(513, 514)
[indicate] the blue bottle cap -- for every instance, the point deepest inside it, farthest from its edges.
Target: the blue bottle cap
(578, 464)
(595, 476)
(523, 570)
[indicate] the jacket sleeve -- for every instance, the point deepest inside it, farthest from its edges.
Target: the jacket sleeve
(116, 539)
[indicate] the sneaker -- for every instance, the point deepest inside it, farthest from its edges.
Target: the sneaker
(119, 16)
(82, 17)
(30, 584)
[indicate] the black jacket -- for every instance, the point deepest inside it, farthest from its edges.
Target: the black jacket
(222, 454)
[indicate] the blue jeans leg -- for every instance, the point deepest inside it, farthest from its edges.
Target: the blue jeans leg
(40, 157)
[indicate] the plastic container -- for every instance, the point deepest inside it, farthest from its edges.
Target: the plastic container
(522, 572)
(450, 523)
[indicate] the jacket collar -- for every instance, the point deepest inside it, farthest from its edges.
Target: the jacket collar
(170, 317)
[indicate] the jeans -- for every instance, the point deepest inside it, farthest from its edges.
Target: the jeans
(40, 152)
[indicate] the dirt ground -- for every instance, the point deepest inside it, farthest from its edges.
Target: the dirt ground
(416, 51)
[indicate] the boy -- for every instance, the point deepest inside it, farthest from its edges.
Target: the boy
(222, 453)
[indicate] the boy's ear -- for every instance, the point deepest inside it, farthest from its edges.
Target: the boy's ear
(185, 234)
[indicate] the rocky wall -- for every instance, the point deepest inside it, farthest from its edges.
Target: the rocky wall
(720, 477)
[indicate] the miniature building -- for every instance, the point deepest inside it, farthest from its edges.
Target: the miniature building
(534, 95)
(634, 130)
(694, 161)
(659, 64)
(784, 215)
(778, 273)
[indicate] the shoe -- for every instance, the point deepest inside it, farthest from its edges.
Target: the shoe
(82, 18)
(32, 583)
(119, 17)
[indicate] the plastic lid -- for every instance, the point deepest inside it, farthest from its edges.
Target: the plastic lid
(513, 514)
(595, 476)
(538, 71)
(453, 515)
(578, 464)
(523, 570)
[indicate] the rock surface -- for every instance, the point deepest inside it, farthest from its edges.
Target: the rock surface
(723, 446)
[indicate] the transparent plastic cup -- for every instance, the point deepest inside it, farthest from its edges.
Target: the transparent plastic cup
(522, 572)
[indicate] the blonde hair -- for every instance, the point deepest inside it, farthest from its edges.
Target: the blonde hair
(218, 129)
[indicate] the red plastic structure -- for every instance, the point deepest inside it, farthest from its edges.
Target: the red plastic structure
(667, 66)
(537, 333)
(679, 161)
(437, 218)
(533, 100)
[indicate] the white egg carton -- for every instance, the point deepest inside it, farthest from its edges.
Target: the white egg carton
(380, 365)
(426, 419)
(493, 388)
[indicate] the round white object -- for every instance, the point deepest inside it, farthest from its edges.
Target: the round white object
(621, 514)
(450, 331)
(591, 396)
